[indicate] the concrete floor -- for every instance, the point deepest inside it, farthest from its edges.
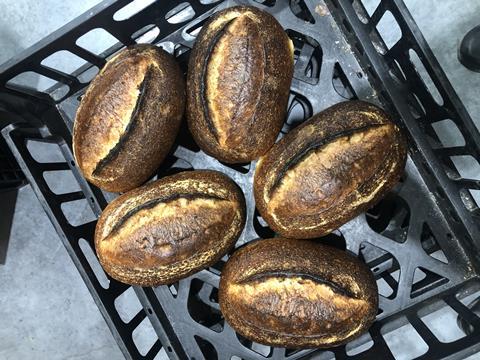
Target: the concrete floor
(45, 309)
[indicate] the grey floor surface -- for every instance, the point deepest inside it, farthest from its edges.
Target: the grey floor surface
(46, 311)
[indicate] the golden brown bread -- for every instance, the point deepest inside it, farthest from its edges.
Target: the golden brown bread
(129, 118)
(170, 228)
(238, 83)
(297, 294)
(328, 170)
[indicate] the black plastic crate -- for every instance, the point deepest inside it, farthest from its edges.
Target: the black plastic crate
(421, 241)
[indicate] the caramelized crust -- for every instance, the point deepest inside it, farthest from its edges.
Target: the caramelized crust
(329, 170)
(238, 83)
(297, 293)
(170, 228)
(129, 118)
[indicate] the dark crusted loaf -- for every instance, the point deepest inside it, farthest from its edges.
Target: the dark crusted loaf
(129, 118)
(328, 170)
(297, 294)
(238, 83)
(170, 228)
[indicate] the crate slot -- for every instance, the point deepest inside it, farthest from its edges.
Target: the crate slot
(97, 41)
(191, 31)
(448, 133)
(405, 343)
(436, 321)
(341, 84)
(307, 57)
(370, 6)
(268, 3)
(161, 355)
(60, 92)
(476, 197)
(301, 11)
(389, 32)
(88, 75)
(144, 336)
(168, 46)
(425, 76)
(334, 239)
(397, 73)
(127, 305)
(179, 50)
(208, 2)
(131, 9)
(258, 348)
(61, 182)
(299, 110)
(385, 268)
(416, 107)
(390, 217)
(469, 297)
(78, 212)
(208, 294)
(31, 80)
(467, 166)
(45, 152)
(180, 13)
(388, 284)
(206, 347)
(425, 280)
(94, 263)
(146, 35)
(359, 345)
(261, 226)
(430, 244)
(242, 168)
(64, 61)
(201, 309)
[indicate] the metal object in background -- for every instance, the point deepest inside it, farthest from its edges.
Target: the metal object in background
(421, 241)
(469, 50)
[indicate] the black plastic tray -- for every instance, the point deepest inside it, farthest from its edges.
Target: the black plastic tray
(421, 241)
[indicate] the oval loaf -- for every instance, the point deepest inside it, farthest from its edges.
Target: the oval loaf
(238, 84)
(297, 294)
(170, 228)
(329, 169)
(129, 118)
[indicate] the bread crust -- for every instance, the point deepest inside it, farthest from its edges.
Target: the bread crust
(238, 83)
(297, 294)
(129, 118)
(170, 228)
(328, 170)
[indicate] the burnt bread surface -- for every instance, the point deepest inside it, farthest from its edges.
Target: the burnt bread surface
(297, 294)
(129, 117)
(238, 83)
(328, 170)
(170, 228)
